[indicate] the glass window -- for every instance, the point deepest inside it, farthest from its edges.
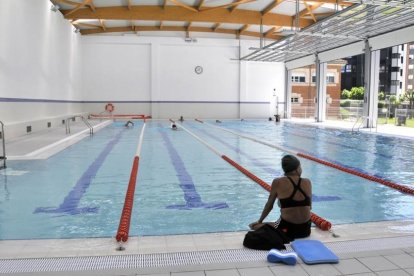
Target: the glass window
(330, 79)
(401, 72)
(313, 78)
(402, 59)
(294, 100)
(400, 85)
(296, 78)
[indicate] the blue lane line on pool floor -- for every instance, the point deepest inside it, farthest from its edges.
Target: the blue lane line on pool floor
(315, 198)
(71, 202)
(191, 197)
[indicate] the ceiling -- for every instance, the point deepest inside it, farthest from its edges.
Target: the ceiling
(267, 19)
(358, 22)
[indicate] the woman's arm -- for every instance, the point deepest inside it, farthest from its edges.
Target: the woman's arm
(268, 206)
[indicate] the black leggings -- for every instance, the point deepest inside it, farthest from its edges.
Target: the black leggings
(293, 230)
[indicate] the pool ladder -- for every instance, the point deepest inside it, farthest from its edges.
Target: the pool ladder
(356, 127)
(67, 123)
(3, 140)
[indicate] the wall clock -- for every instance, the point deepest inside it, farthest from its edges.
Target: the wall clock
(198, 69)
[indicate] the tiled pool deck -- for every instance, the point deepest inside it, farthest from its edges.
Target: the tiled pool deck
(376, 248)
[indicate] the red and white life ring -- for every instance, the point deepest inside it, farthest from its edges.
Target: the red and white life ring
(109, 107)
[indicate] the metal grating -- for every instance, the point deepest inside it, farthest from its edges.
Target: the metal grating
(356, 23)
(181, 259)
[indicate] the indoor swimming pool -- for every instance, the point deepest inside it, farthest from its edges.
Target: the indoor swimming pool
(184, 187)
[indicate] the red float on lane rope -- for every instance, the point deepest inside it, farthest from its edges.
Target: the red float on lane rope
(390, 184)
(322, 223)
(124, 222)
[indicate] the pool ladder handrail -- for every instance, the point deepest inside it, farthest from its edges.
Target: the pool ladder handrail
(3, 157)
(354, 128)
(67, 123)
(362, 122)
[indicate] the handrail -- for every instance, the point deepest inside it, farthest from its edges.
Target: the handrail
(356, 122)
(362, 122)
(3, 157)
(87, 124)
(67, 123)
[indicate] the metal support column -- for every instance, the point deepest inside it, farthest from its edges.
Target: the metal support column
(288, 94)
(321, 68)
(2, 146)
(371, 81)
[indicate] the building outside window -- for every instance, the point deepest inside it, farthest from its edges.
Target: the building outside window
(330, 78)
(298, 78)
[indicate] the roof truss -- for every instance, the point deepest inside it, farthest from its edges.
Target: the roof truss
(230, 13)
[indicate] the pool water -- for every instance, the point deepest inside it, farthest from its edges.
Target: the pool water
(184, 187)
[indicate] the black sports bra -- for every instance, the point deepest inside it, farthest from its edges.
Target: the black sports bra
(290, 202)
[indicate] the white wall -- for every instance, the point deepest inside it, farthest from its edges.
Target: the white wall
(40, 66)
(48, 72)
(156, 76)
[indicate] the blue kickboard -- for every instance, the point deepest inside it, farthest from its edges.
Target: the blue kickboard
(314, 252)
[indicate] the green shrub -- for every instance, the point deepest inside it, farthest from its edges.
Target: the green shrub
(345, 103)
(357, 93)
(345, 94)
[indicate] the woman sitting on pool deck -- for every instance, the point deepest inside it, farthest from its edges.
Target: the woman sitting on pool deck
(294, 196)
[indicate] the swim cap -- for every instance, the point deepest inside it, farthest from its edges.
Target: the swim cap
(290, 163)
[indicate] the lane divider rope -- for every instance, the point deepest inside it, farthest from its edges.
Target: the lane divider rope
(125, 220)
(379, 180)
(320, 222)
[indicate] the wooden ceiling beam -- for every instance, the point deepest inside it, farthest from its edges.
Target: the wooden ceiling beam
(340, 2)
(86, 25)
(228, 5)
(67, 2)
(200, 4)
(80, 6)
(102, 24)
(174, 13)
(91, 6)
(271, 6)
(172, 28)
(323, 13)
(306, 10)
(270, 32)
(244, 28)
(234, 7)
(309, 11)
(216, 26)
(178, 3)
